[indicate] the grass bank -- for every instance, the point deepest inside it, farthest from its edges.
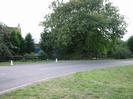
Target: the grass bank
(25, 62)
(108, 83)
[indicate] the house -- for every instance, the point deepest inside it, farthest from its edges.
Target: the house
(16, 29)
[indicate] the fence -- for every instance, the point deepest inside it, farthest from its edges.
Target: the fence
(7, 58)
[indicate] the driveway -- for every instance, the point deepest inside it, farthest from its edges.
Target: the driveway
(12, 77)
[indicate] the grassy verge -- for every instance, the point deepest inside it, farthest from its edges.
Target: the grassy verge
(109, 83)
(24, 62)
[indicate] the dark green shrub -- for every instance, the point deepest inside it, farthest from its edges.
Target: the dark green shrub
(119, 50)
(130, 43)
(31, 56)
(122, 54)
(42, 55)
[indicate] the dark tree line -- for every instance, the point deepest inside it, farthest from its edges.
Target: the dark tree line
(12, 44)
(76, 29)
(130, 44)
(5, 44)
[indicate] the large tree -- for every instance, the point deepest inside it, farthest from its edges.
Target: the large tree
(17, 41)
(81, 26)
(5, 44)
(29, 44)
(130, 43)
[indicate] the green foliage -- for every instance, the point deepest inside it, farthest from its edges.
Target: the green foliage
(31, 56)
(130, 44)
(42, 55)
(81, 26)
(12, 43)
(17, 42)
(29, 44)
(22, 47)
(122, 54)
(47, 43)
(120, 50)
(5, 44)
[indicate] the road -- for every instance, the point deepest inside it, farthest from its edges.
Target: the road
(12, 77)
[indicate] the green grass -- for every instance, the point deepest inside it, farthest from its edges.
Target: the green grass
(25, 62)
(108, 83)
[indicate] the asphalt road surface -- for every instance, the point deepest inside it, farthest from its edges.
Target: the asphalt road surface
(12, 77)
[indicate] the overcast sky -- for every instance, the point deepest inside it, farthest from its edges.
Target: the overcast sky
(29, 13)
